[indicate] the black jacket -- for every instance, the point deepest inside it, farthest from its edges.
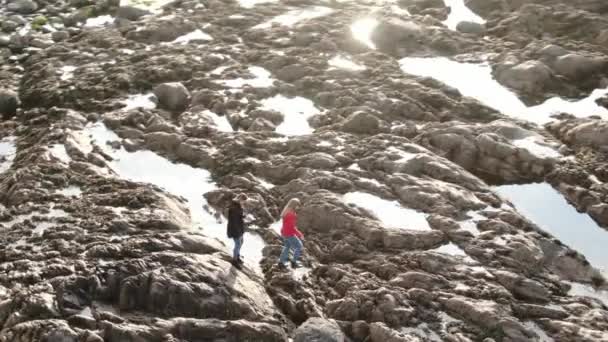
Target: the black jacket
(236, 220)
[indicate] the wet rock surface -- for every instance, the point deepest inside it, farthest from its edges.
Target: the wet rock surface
(127, 127)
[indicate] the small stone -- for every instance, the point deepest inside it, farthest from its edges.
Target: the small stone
(470, 27)
(59, 36)
(9, 102)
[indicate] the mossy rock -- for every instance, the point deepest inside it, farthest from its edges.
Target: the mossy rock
(38, 22)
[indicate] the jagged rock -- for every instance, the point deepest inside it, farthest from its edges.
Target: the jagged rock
(173, 96)
(379, 332)
(9, 102)
(319, 330)
(577, 66)
(418, 280)
(261, 125)
(361, 123)
(522, 287)
(392, 33)
(131, 13)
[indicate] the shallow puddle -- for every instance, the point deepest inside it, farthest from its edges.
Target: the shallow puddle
(460, 12)
(470, 225)
(583, 290)
(452, 249)
(221, 122)
(7, 153)
(542, 335)
(196, 35)
(404, 156)
(58, 151)
(533, 146)
(476, 81)
(551, 212)
(296, 112)
(265, 184)
(176, 178)
(362, 30)
(390, 213)
(253, 3)
(67, 72)
(102, 20)
(139, 101)
(71, 190)
(342, 62)
(262, 79)
(150, 5)
(295, 16)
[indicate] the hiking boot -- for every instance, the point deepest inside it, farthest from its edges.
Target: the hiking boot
(236, 263)
(295, 264)
(281, 265)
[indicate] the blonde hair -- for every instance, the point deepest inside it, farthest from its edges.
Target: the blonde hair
(290, 206)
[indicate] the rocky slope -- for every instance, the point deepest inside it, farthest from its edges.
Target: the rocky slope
(127, 127)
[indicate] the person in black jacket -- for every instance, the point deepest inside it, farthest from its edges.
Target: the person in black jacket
(236, 226)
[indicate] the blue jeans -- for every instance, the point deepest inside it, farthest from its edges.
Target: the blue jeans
(289, 243)
(238, 243)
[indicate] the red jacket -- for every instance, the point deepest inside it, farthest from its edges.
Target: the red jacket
(289, 225)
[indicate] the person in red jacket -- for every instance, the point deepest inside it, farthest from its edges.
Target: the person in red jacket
(292, 237)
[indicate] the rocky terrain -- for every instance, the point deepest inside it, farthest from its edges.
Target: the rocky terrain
(402, 126)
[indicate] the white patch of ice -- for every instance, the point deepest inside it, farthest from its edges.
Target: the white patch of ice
(102, 20)
(127, 51)
(295, 16)
(194, 35)
(67, 72)
(390, 213)
(296, 112)
(460, 12)
(262, 79)
(362, 30)
(139, 101)
(533, 146)
(7, 153)
(594, 179)
(476, 81)
(345, 63)
(58, 151)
